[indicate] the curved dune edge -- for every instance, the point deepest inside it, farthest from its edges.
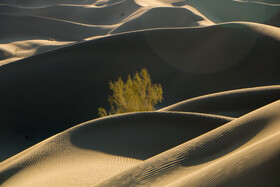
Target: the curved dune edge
(66, 79)
(20, 47)
(57, 57)
(158, 148)
(107, 145)
(225, 156)
(75, 21)
(229, 103)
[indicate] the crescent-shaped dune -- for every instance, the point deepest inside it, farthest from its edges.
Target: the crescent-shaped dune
(218, 63)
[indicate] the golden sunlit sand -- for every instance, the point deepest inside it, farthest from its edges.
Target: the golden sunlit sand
(219, 66)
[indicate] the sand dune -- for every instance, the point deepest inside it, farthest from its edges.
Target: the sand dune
(71, 82)
(80, 14)
(78, 20)
(121, 154)
(233, 103)
(153, 19)
(218, 64)
(244, 151)
(137, 149)
(231, 10)
(22, 49)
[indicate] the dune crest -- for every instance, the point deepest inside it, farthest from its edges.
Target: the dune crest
(217, 62)
(80, 20)
(155, 148)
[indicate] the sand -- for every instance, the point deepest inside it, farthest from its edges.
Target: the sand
(218, 64)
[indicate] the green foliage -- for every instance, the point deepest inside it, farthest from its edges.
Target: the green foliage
(137, 94)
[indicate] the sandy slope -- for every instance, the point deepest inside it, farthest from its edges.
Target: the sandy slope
(233, 103)
(218, 61)
(244, 151)
(137, 149)
(64, 87)
(106, 148)
(78, 20)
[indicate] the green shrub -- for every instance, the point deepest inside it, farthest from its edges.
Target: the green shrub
(136, 94)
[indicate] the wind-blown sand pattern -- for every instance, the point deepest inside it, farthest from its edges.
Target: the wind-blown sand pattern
(218, 63)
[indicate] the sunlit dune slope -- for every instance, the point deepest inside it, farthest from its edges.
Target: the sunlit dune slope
(217, 61)
(74, 21)
(141, 149)
(64, 87)
(244, 151)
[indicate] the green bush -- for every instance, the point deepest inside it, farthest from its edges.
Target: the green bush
(136, 94)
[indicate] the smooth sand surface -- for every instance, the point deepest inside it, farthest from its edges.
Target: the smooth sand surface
(218, 61)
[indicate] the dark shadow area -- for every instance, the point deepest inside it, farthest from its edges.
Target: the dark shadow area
(64, 12)
(48, 93)
(187, 155)
(153, 19)
(142, 135)
(233, 103)
(227, 10)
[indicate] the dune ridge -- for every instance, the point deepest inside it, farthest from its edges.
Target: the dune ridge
(102, 145)
(215, 162)
(218, 64)
(233, 103)
(84, 20)
(66, 79)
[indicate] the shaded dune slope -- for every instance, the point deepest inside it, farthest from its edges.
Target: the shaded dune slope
(83, 20)
(138, 149)
(80, 14)
(230, 10)
(50, 92)
(98, 136)
(32, 26)
(153, 18)
(40, 3)
(242, 152)
(218, 61)
(19, 35)
(233, 103)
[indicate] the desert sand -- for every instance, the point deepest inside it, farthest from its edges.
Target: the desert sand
(218, 63)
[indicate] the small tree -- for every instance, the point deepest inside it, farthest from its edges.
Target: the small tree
(137, 94)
